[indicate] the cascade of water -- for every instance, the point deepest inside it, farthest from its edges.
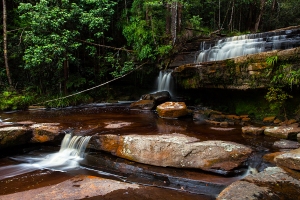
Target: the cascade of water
(248, 44)
(165, 81)
(71, 151)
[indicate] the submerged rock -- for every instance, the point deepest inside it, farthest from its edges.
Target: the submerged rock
(272, 183)
(175, 150)
(172, 110)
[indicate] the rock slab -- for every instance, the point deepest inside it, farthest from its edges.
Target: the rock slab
(172, 109)
(174, 150)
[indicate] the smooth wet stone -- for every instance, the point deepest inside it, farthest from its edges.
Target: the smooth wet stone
(283, 132)
(79, 187)
(289, 159)
(270, 157)
(143, 105)
(14, 135)
(251, 130)
(245, 190)
(174, 150)
(45, 132)
(117, 124)
(286, 144)
(172, 109)
(272, 183)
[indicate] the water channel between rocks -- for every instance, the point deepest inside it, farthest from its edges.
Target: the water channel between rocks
(119, 119)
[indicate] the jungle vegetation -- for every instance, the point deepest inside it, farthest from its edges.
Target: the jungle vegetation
(53, 48)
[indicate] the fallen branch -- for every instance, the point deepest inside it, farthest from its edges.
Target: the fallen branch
(94, 86)
(108, 47)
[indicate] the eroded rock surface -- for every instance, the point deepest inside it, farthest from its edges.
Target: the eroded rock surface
(272, 183)
(283, 132)
(289, 159)
(143, 105)
(174, 150)
(251, 130)
(45, 132)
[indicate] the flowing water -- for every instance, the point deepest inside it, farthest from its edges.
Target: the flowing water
(248, 44)
(165, 81)
(45, 165)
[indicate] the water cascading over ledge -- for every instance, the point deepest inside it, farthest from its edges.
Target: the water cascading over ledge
(232, 47)
(165, 81)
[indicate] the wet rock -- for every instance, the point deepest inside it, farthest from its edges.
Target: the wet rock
(79, 187)
(143, 105)
(289, 159)
(13, 136)
(269, 119)
(172, 110)
(117, 124)
(270, 157)
(200, 116)
(286, 144)
(245, 190)
(157, 97)
(251, 130)
(175, 150)
(272, 183)
(45, 132)
(283, 132)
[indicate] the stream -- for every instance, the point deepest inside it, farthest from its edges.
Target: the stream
(21, 169)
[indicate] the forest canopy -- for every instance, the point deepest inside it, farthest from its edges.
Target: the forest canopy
(56, 47)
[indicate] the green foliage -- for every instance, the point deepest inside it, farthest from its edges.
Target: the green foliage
(196, 22)
(277, 98)
(272, 60)
(12, 100)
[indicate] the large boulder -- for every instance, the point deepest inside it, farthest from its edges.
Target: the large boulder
(289, 159)
(283, 132)
(14, 135)
(157, 97)
(45, 132)
(272, 183)
(174, 150)
(172, 109)
(251, 130)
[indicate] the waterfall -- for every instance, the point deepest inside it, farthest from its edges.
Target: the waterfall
(165, 81)
(71, 152)
(248, 44)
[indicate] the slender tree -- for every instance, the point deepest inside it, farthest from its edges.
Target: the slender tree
(5, 43)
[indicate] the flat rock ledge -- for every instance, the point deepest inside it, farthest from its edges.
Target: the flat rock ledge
(29, 133)
(271, 184)
(174, 150)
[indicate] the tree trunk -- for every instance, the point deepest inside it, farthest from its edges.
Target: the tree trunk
(168, 19)
(5, 43)
(261, 10)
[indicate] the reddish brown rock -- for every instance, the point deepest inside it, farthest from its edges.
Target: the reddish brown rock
(143, 104)
(45, 132)
(269, 119)
(272, 183)
(174, 150)
(270, 157)
(79, 187)
(251, 130)
(283, 132)
(289, 159)
(172, 109)
(245, 190)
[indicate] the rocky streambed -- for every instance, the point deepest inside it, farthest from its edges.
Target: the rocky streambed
(136, 154)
